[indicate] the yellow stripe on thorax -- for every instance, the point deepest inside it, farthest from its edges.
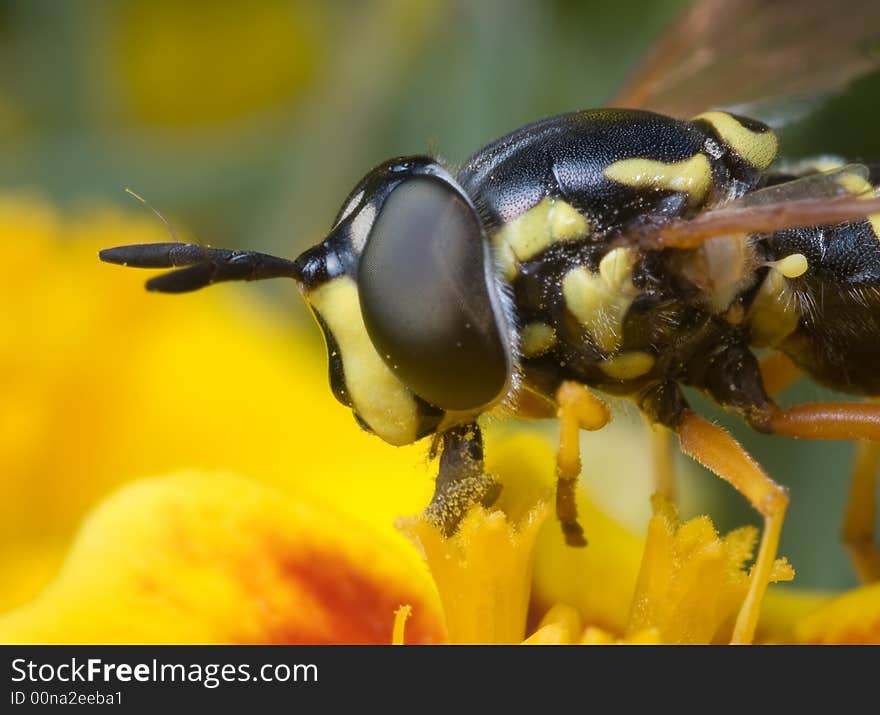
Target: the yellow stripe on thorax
(527, 235)
(379, 397)
(536, 339)
(855, 184)
(692, 176)
(757, 148)
(774, 313)
(628, 365)
(860, 187)
(600, 300)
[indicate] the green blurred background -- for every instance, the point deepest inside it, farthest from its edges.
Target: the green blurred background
(248, 123)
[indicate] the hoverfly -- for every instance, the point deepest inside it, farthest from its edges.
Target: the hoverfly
(617, 250)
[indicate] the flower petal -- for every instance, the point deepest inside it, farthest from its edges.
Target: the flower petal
(692, 581)
(213, 558)
(783, 608)
(148, 384)
(561, 625)
(597, 580)
(483, 573)
(596, 636)
(852, 618)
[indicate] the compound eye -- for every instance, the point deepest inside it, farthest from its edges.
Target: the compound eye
(428, 300)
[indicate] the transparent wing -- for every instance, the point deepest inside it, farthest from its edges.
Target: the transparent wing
(847, 180)
(765, 218)
(821, 199)
(733, 52)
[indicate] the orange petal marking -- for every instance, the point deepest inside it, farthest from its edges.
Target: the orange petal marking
(212, 558)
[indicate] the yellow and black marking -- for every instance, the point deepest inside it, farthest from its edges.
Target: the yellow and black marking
(599, 300)
(775, 311)
(859, 186)
(692, 176)
(628, 365)
(524, 279)
(751, 141)
(537, 338)
(382, 403)
(820, 299)
(558, 194)
(551, 221)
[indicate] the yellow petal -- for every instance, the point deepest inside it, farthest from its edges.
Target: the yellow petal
(103, 383)
(398, 633)
(213, 558)
(692, 582)
(783, 608)
(561, 625)
(483, 573)
(853, 617)
(598, 580)
(596, 636)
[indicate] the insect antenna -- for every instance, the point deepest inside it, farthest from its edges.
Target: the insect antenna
(158, 213)
(198, 266)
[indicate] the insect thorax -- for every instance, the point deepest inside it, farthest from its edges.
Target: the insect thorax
(559, 198)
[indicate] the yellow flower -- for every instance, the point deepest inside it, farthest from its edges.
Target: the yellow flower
(245, 59)
(483, 573)
(689, 587)
(852, 618)
(211, 558)
(104, 384)
(692, 582)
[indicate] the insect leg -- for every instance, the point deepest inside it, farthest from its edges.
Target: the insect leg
(821, 420)
(461, 481)
(778, 371)
(844, 421)
(662, 405)
(663, 459)
(716, 450)
(859, 521)
(577, 409)
(719, 452)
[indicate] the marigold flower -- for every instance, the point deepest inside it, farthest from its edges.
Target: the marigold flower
(213, 558)
(689, 587)
(105, 384)
(483, 573)
(692, 581)
(852, 617)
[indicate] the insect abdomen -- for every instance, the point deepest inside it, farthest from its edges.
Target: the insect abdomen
(828, 318)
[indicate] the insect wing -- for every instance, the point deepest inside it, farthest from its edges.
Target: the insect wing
(764, 218)
(733, 52)
(848, 180)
